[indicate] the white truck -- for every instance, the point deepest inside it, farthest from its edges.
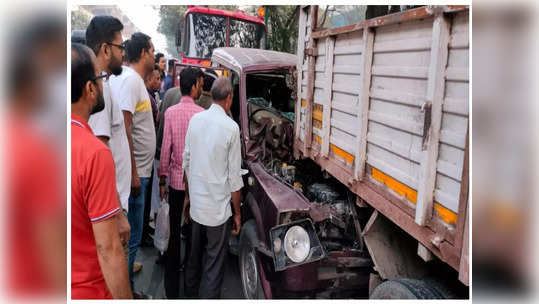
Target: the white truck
(383, 107)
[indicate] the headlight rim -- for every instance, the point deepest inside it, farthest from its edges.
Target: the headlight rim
(307, 248)
(281, 261)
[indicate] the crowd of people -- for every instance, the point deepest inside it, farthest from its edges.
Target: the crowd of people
(136, 140)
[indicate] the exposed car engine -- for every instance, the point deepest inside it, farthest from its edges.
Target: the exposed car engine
(333, 211)
(333, 205)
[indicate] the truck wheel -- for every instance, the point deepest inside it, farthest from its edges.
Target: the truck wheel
(249, 268)
(406, 289)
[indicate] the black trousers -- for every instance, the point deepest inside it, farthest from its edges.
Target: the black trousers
(146, 229)
(206, 263)
(172, 255)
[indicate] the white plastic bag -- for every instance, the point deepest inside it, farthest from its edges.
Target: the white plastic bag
(162, 227)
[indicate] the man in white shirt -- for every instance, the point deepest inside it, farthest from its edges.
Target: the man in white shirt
(130, 92)
(104, 37)
(212, 165)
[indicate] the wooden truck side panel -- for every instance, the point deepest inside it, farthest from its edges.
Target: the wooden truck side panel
(383, 107)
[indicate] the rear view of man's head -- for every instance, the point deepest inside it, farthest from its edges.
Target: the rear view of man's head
(222, 92)
(191, 80)
(104, 37)
(86, 85)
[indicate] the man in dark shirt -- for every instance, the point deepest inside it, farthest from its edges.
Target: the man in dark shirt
(169, 79)
(205, 100)
(152, 82)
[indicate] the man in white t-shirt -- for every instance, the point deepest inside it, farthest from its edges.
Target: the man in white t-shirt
(130, 92)
(104, 37)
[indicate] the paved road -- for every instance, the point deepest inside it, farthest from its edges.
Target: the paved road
(150, 279)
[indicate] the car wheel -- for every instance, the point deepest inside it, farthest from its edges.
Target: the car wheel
(406, 289)
(249, 268)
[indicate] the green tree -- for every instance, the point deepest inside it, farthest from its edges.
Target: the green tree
(79, 20)
(282, 24)
(171, 20)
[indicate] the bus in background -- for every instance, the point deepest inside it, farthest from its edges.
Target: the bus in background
(205, 29)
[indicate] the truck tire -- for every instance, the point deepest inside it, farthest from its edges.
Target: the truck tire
(407, 289)
(249, 268)
(442, 288)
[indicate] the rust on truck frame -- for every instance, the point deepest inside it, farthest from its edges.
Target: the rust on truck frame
(446, 244)
(391, 207)
(273, 201)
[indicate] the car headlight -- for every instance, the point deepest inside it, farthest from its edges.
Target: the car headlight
(297, 244)
(294, 244)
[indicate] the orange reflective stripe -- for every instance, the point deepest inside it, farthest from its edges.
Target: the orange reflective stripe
(445, 214)
(395, 185)
(337, 151)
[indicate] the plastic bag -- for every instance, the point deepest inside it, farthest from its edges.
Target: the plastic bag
(162, 227)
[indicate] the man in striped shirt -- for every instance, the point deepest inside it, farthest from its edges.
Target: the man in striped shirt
(176, 122)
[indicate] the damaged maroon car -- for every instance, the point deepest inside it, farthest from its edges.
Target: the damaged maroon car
(301, 233)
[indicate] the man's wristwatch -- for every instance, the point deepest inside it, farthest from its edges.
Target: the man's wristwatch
(124, 211)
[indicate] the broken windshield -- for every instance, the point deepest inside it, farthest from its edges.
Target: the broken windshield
(204, 34)
(246, 34)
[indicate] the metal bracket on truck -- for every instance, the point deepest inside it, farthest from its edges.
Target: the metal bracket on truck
(382, 106)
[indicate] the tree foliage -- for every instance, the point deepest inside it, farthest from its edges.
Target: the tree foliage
(282, 23)
(171, 17)
(79, 20)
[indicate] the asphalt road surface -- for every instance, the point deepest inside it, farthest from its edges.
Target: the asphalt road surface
(150, 279)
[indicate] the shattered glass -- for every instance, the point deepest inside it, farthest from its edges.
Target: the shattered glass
(245, 34)
(209, 33)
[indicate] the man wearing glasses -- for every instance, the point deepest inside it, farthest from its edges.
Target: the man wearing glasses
(98, 263)
(130, 92)
(104, 37)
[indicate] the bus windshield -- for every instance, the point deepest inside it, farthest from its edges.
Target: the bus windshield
(246, 34)
(205, 32)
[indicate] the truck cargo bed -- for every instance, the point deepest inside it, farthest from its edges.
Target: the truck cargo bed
(383, 107)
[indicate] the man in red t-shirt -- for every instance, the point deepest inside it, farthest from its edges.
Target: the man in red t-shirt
(98, 263)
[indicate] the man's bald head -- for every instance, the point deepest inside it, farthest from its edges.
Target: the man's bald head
(221, 92)
(221, 89)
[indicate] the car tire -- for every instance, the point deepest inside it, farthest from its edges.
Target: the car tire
(407, 289)
(248, 262)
